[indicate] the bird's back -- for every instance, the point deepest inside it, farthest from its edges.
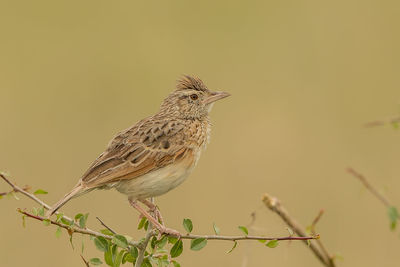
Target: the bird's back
(151, 144)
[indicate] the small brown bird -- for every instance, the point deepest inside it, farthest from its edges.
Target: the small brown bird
(156, 154)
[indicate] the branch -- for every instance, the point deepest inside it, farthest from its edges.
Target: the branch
(274, 204)
(88, 231)
(394, 121)
(248, 237)
(182, 236)
(25, 188)
(142, 251)
(372, 189)
(74, 229)
(320, 244)
(142, 245)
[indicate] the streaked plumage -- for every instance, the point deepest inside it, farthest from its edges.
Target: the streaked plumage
(158, 153)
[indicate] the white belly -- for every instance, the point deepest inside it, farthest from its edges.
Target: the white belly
(155, 183)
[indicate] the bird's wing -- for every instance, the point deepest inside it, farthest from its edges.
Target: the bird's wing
(145, 147)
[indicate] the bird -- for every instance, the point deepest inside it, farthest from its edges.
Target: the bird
(156, 154)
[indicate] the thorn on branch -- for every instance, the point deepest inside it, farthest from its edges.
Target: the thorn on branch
(85, 261)
(107, 227)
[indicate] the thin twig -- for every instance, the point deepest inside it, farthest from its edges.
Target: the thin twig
(75, 229)
(376, 123)
(316, 220)
(142, 250)
(248, 237)
(72, 229)
(274, 204)
(107, 227)
(85, 261)
(26, 188)
(319, 242)
(372, 189)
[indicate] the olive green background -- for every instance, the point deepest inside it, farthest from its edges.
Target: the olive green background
(304, 77)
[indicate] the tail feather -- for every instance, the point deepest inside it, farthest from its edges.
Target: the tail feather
(77, 190)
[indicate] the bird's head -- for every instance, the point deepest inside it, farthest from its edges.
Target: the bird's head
(191, 99)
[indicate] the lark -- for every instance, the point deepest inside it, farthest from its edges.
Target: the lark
(156, 154)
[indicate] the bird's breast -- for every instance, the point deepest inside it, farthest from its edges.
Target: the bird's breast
(160, 181)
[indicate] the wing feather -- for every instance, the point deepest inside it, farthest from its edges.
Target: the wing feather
(143, 148)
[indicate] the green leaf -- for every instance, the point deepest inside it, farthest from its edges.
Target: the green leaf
(188, 225)
(109, 256)
(146, 225)
(146, 263)
(172, 239)
(176, 249)
(35, 211)
(78, 216)
(58, 232)
(234, 246)
(82, 220)
(41, 211)
(59, 216)
(393, 217)
(176, 264)
(134, 252)
(120, 241)
(153, 242)
(40, 192)
(127, 258)
(95, 261)
(118, 259)
(46, 222)
(272, 244)
(162, 242)
(198, 243)
(262, 241)
(1, 196)
(106, 232)
(164, 260)
(216, 229)
(141, 223)
(66, 222)
(101, 243)
(244, 229)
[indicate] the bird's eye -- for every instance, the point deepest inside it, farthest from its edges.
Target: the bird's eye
(194, 97)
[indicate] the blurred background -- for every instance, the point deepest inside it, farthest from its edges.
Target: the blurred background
(304, 77)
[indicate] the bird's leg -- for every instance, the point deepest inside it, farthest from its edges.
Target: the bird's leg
(153, 208)
(161, 228)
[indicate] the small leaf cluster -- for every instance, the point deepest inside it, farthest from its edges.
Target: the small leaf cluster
(116, 251)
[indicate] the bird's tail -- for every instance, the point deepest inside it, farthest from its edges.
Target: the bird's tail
(77, 190)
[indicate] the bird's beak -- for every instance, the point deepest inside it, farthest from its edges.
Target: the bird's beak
(214, 96)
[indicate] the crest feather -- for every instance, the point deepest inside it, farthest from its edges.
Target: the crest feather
(189, 82)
